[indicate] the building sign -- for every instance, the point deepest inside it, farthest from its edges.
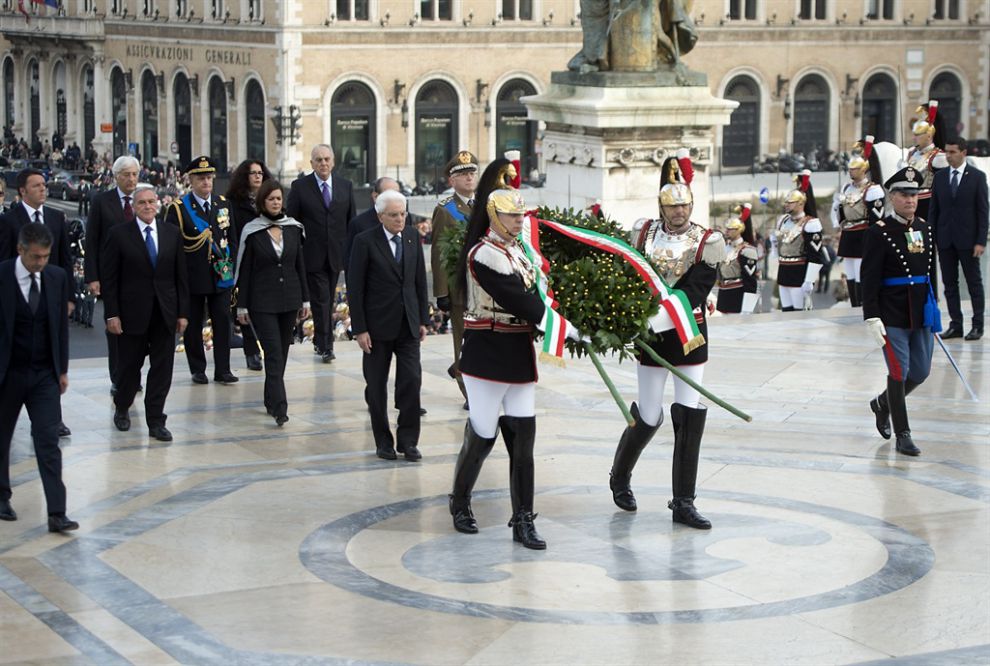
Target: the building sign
(223, 57)
(106, 128)
(187, 53)
(352, 123)
(434, 122)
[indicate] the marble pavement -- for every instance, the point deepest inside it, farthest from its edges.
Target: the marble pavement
(242, 543)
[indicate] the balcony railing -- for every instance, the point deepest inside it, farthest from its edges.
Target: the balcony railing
(16, 25)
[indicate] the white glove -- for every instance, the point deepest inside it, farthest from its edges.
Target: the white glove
(877, 330)
(572, 333)
(808, 287)
(661, 321)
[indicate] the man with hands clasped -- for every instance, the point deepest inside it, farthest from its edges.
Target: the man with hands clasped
(898, 276)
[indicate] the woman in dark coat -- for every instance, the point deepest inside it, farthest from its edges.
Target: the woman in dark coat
(272, 289)
(244, 184)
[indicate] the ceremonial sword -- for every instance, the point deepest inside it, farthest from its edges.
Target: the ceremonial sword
(955, 366)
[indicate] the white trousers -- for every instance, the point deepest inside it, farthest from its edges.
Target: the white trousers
(651, 385)
(850, 266)
(486, 398)
(792, 297)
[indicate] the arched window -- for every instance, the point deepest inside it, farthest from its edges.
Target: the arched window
(183, 117)
(947, 89)
(352, 131)
(34, 77)
(512, 130)
(61, 110)
(880, 108)
(218, 123)
(118, 109)
(149, 112)
(89, 107)
(254, 119)
(8, 93)
(436, 132)
(811, 106)
(741, 137)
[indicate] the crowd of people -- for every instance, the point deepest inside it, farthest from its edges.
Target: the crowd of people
(271, 260)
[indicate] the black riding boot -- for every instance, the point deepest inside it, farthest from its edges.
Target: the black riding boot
(854, 297)
(882, 410)
(896, 390)
(689, 426)
(519, 433)
(634, 439)
(789, 308)
(474, 450)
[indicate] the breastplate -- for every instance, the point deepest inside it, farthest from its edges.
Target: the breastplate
(919, 161)
(790, 237)
(505, 259)
(672, 254)
(853, 204)
(730, 268)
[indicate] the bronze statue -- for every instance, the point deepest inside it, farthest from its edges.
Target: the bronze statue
(634, 35)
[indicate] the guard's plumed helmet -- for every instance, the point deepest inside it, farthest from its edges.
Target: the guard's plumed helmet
(926, 124)
(861, 152)
(803, 193)
(675, 180)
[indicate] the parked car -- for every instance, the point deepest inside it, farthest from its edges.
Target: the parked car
(65, 185)
(10, 172)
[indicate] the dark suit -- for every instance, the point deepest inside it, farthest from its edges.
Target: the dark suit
(241, 212)
(366, 220)
(326, 231)
(34, 353)
(959, 222)
(148, 299)
(203, 290)
(106, 211)
(388, 300)
(17, 217)
(272, 288)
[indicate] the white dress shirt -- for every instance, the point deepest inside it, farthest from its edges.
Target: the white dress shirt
(32, 211)
(23, 276)
(154, 231)
(388, 237)
(320, 182)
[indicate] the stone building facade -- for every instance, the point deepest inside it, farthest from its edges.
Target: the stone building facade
(398, 85)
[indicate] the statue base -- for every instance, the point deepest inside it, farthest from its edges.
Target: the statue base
(608, 142)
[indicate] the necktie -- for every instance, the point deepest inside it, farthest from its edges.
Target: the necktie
(128, 210)
(34, 294)
(206, 209)
(326, 195)
(471, 203)
(397, 241)
(149, 242)
(954, 182)
(38, 219)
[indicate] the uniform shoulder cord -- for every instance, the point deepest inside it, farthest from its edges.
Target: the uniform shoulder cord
(193, 243)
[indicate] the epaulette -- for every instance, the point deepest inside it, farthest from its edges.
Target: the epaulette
(222, 197)
(715, 236)
(880, 223)
(811, 227)
(640, 223)
(713, 250)
(749, 252)
(492, 257)
(445, 200)
(873, 193)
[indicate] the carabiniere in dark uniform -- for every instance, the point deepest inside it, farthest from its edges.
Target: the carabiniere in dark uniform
(899, 306)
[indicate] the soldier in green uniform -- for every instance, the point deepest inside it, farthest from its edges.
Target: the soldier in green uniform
(462, 175)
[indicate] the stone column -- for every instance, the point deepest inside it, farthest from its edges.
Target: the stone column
(102, 142)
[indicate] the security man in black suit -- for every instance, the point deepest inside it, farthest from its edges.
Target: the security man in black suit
(33, 193)
(34, 364)
(204, 220)
(108, 209)
(146, 301)
(324, 203)
(958, 213)
(389, 312)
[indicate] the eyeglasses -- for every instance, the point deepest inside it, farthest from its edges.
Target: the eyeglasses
(256, 173)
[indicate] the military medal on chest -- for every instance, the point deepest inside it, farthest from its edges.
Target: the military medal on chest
(915, 241)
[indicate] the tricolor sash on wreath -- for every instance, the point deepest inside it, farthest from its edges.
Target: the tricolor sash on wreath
(219, 256)
(674, 301)
(554, 328)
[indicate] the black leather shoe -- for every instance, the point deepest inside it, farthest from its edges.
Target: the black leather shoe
(281, 419)
(385, 453)
(121, 420)
(7, 512)
(686, 514)
(412, 453)
(422, 411)
(160, 433)
(253, 362)
(524, 532)
(974, 334)
(63, 430)
(622, 494)
(467, 407)
(906, 445)
(954, 331)
(328, 356)
(113, 389)
(226, 378)
(879, 407)
(200, 378)
(463, 516)
(61, 524)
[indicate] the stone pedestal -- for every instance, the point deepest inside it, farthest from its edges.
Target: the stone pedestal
(608, 133)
